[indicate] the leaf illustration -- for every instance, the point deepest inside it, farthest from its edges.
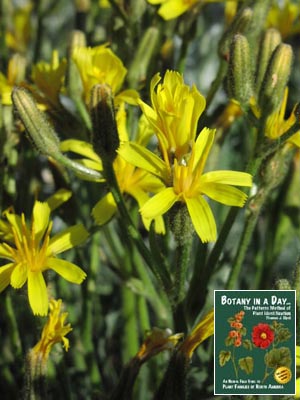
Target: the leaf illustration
(246, 364)
(224, 357)
(278, 358)
(247, 344)
(283, 334)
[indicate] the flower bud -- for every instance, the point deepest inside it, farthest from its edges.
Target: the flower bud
(240, 74)
(260, 9)
(283, 284)
(240, 24)
(105, 138)
(275, 79)
(38, 128)
(144, 55)
(270, 41)
(42, 135)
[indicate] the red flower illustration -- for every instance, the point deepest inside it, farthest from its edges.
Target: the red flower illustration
(262, 335)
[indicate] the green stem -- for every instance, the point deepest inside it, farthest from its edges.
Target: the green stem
(254, 211)
(223, 66)
(213, 258)
(89, 308)
(130, 337)
(13, 328)
(234, 364)
(128, 226)
(182, 260)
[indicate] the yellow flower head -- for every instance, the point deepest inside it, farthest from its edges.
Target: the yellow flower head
(285, 17)
(31, 251)
(54, 331)
(15, 74)
(277, 125)
(19, 35)
(49, 77)
(189, 184)
(174, 115)
(99, 65)
(157, 340)
(104, 3)
(170, 9)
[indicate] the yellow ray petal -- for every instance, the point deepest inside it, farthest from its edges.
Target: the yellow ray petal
(173, 9)
(37, 293)
(228, 178)
(58, 198)
(5, 274)
(5, 252)
(40, 214)
(202, 148)
(66, 269)
(202, 218)
(18, 276)
(67, 239)
(144, 158)
(224, 194)
(159, 204)
(80, 147)
(104, 209)
(202, 331)
(16, 222)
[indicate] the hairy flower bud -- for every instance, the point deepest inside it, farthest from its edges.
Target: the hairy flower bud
(270, 41)
(275, 79)
(43, 136)
(240, 24)
(38, 128)
(240, 73)
(105, 138)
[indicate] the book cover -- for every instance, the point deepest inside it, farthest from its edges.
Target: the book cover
(255, 342)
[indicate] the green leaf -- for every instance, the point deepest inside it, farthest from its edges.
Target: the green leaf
(224, 357)
(246, 364)
(247, 344)
(282, 335)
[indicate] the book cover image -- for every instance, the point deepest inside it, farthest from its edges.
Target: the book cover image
(255, 342)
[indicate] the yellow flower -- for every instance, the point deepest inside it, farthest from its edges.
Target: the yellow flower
(131, 180)
(104, 3)
(100, 65)
(31, 251)
(15, 74)
(49, 77)
(285, 17)
(174, 115)
(170, 9)
(18, 36)
(54, 331)
(157, 340)
(277, 125)
(203, 330)
(189, 184)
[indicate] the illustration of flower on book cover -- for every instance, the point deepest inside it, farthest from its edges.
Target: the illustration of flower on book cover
(255, 342)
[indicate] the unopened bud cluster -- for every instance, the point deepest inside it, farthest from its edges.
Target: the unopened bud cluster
(266, 80)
